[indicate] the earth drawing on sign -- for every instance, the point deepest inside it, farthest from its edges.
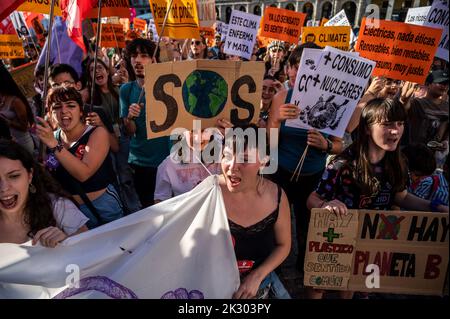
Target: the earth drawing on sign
(205, 93)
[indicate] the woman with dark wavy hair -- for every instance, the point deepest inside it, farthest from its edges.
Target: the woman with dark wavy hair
(32, 205)
(370, 173)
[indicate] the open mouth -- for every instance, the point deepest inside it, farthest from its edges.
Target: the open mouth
(8, 202)
(65, 120)
(99, 78)
(234, 181)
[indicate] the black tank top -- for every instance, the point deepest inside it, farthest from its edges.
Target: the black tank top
(101, 178)
(253, 244)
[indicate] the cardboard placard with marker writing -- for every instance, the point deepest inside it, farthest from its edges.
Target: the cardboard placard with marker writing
(378, 251)
(401, 51)
(179, 92)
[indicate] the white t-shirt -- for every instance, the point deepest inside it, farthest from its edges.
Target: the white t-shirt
(174, 179)
(68, 217)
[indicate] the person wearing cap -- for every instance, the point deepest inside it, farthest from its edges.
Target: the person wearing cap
(428, 116)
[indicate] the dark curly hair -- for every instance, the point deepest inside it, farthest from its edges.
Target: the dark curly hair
(38, 209)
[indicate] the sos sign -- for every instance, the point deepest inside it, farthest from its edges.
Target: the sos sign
(179, 92)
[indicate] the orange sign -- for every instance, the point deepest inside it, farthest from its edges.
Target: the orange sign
(116, 8)
(402, 51)
(282, 24)
(323, 21)
(112, 35)
(208, 33)
(139, 24)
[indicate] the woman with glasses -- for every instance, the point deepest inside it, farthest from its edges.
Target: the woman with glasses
(198, 49)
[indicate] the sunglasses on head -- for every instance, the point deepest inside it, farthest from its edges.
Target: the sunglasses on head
(196, 42)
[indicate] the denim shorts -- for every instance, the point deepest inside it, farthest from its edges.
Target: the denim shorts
(272, 288)
(108, 206)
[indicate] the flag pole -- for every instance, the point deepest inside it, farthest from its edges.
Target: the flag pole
(97, 40)
(47, 58)
(141, 95)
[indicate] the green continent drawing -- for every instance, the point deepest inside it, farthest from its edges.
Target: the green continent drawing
(204, 93)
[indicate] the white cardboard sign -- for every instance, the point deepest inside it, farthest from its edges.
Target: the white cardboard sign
(241, 36)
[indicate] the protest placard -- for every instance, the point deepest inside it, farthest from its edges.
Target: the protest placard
(40, 6)
(241, 35)
(207, 33)
(313, 23)
(340, 19)
(282, 24)
(402, 51)
(438, 17)
(112, 35)
(111, 8)
(11, 47)
(337, 37)
(125, 22)
(206, 12)
(153, 31)
(139, 24)
(328, 86)
(409, 249)
(24, 78)
(182, 21)
(417, 16)
(179, 92)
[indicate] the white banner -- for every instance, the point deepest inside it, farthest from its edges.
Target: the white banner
(417, 15)
(328, 86)
(241, 36)
(178, 249)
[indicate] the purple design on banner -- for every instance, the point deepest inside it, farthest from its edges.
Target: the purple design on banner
(101, 284)
(182, 293)
(51, 162)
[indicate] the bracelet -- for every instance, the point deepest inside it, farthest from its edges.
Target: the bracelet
(59, 147)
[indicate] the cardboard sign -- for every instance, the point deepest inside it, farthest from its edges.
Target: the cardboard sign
(282, 24)
(24, 78)
(179, 92)
(139, 24)
(112, 35)
(328, 87)
(241, 36)
(206, 12)
(337, 37)
(402, 51)
(111, 8)
(182, 21)
(438, 17)
(409, 249)
(417, 16)
(40, 6)
(11, 47)
(207, 33)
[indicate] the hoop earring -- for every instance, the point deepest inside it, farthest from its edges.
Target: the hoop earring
(32, 189)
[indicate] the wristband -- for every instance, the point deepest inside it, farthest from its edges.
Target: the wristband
(58, 148)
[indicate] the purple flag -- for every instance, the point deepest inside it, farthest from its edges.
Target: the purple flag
(62, 48)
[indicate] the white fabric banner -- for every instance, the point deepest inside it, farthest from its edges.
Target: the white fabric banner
(178, 249)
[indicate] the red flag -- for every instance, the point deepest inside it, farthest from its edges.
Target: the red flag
(7, 27)
(8, 6)
(75, 11)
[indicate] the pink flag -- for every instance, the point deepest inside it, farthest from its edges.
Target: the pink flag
(74, 11)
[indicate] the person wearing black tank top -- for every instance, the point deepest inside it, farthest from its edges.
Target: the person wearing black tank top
(259, 218)
(79, 158)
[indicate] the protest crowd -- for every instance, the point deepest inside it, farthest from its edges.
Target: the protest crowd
(76, 154)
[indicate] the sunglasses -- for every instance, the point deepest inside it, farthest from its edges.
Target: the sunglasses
(196, 42)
